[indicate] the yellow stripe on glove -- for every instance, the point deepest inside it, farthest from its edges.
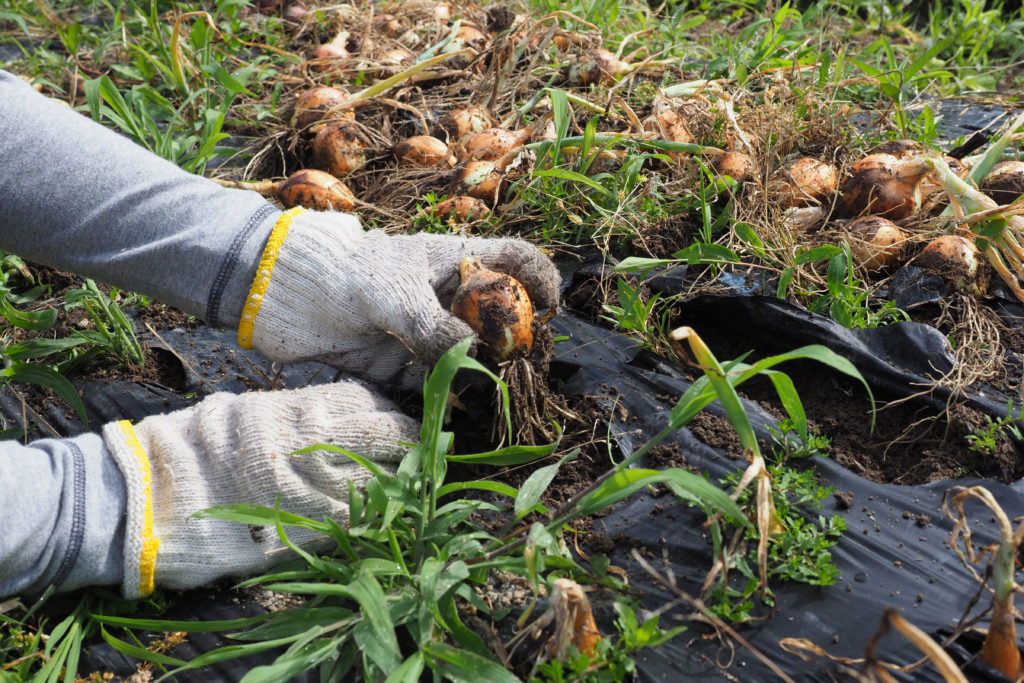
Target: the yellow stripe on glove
(150, 544)
(262, 279)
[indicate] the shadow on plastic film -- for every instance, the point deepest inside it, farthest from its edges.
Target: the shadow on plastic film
(895, 552)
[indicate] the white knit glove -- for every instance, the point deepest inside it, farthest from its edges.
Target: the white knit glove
(234, 449)
(370, 303)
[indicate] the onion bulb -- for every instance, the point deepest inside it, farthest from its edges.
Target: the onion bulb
(496, 306)
(875, 242)
(738, 165)
(492, 144)
(336, 48)
(443, 11)
(463, 123)
(804, 182)
(469, 36)
(395, 56)
(667, 124)
(1005, 182)
(597, 66)
(315, 190)
(883, 185)
(548, 132)
(462, 209)
(931, 189)
(388, 24)
(481, 179)
(423, 150)
(956, 259)
(798, 220)
(338, 148)
(312, 104)
(294, 13)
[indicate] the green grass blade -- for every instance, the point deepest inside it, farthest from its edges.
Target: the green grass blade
(377, 633)
(49, 378)
(511, 455)
(408, 671)
(625, 483)
(537, 483)
(463, 666)
(492, 486)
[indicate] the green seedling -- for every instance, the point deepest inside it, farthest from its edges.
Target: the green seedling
(113, 331)
(986, 439)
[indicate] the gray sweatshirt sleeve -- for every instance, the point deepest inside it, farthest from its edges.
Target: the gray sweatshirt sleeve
(76, 196)
(79, 197)
(63, 506)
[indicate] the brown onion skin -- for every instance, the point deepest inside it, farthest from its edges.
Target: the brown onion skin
(463, 123)
(492, 144)
(481, 179)
(1005, 182)
(389, 25)
(338, 148)
(312, 104)
(469, 36)
(463, 209)
(738, 165)
(806, 181)
(958, 260)
(875, 242)
(879, 185)
(423, 151)
(667, 124)
(496, 306)
(316, 190)
(596, 66)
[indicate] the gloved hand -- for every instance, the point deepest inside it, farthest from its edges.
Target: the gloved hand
(234, 449)
(370, 303)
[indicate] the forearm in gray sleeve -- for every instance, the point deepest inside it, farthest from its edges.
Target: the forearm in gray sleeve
(79, 197)
(63, 506)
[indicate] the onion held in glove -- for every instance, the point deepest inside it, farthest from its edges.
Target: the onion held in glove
(496, 306)
(315, 190)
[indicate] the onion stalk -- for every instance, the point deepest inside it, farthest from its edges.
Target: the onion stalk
(1000, 647)
(996, 225)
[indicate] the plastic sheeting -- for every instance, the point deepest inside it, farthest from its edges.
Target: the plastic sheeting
(895, 552)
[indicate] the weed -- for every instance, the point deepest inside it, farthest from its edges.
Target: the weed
(986, 439)
(113, 332)
(616, 656)
(633, 314)
(846, 298)
(789, 447)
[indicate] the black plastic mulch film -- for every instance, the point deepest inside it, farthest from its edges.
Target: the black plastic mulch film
(895, 552)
